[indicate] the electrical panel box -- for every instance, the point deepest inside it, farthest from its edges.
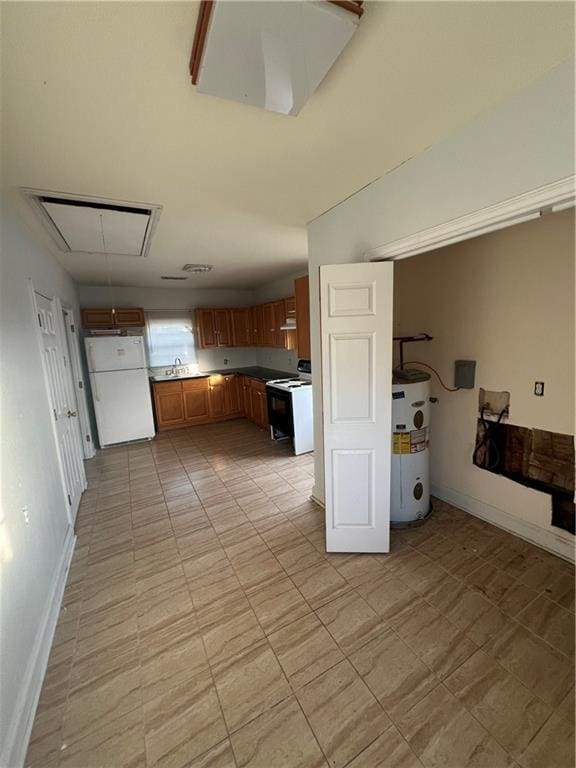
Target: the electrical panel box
(464, 374)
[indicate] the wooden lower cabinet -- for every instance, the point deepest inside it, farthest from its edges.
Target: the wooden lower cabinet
(246, 396)
(232, 395)
(169, 404)
(259, 403)
(216, 397)
(209, 399)
(196, 400)
(204, 400)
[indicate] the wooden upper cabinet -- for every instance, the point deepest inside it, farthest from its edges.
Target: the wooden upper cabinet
(213, 326)
(205, 328)
(279, 308)
(127, 317)
(268, 325)
(258, 326)
(302, 295)
(222, 325)
(97, 318)
(241, 321)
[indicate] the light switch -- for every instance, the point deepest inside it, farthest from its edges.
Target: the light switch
(539, 388)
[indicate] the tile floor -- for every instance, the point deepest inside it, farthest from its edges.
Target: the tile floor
(204, 626)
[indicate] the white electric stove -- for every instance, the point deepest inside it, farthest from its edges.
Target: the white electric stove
(290, 409)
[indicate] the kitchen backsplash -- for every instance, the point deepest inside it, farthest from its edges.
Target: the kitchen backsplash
(226, 357)
(279, 359)
(242, 357)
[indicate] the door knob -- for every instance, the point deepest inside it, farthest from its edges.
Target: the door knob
(70, 414)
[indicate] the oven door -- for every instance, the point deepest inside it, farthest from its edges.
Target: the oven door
(280, 413)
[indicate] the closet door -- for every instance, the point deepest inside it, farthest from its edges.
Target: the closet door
(356, 321)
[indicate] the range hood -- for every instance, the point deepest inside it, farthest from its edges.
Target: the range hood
(289, 324)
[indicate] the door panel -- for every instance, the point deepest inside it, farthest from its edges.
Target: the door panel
(129, 317)
(206, 328)
(97, 318)
(246, 397)
(241, 327)
(268, 326)
(301, 291)
(222, 324)
(279, 320)
(62, 401)
(216, 397)
(356, 319)
(196, 404)
(232, 394)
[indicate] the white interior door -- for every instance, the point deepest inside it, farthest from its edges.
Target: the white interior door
(73, 350)
(356, 318)
(62, 401)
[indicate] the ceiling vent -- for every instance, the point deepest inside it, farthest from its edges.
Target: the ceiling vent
(197, 268)
(171, 277)
(79, 224)
(270, 55)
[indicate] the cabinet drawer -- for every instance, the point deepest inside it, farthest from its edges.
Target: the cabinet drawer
(258, 385)
(189, 385)
(163, 387)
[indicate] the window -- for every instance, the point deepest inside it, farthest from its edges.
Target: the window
(170, 335)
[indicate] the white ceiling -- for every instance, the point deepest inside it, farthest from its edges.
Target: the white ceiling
(97, 101)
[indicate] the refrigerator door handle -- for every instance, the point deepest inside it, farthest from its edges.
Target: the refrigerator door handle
(90, 358)
(95, 389)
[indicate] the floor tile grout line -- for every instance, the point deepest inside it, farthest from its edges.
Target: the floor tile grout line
(352, 586)
(492, 603)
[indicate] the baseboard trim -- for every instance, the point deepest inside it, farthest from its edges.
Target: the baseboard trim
(317, 496)
(16, 744)
(316, 500)
(547, 540)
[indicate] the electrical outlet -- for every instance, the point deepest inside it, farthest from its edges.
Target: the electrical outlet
(539, 388)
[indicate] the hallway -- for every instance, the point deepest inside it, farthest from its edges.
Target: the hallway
(203, 625)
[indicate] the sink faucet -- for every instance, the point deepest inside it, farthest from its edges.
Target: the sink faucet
(177, 362)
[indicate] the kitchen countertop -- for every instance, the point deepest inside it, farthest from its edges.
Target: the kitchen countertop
(256, 372)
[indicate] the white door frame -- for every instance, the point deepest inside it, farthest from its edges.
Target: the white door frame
(71, 330)
(549, 198)
(71, 514)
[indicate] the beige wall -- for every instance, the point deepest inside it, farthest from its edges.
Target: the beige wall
(34, 528)
(497, 156)
(505, 300)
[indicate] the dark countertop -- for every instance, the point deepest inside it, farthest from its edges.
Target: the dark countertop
(256, 372)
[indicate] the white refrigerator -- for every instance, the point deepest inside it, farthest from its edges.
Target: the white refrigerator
(120, 388)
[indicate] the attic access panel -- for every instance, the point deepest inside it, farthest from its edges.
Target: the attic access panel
(269, 54)
(95, 225)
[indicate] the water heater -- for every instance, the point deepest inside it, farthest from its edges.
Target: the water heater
(410, 484)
